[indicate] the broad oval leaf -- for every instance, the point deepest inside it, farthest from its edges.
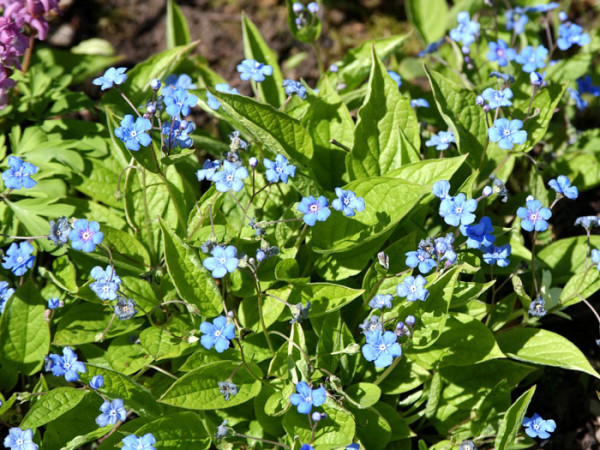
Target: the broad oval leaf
(178, 431)
(52, 405)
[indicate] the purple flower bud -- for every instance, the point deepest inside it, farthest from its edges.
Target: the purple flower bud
(411, 320)
(151, 109)
(183, 125)
(333, 68)
(486, 108)
(487, 191)
(253, 162)
(297, 7)
(155, 84)
(313, 7)
(97, 382)
(562, 16)
(466, 50)
(479, 100)
(316, 416)
(230, 314)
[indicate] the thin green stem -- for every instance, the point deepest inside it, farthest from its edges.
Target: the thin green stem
(384, 375)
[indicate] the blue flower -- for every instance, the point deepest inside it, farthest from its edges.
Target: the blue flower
(97, 382)
(209, 168)
(19, 174)
(496, 255)
(252, 69)
(479, 235)
(381, 301)
(134, 134)
(223, 260)
(371, 324)
(571, 34)
(59, 231)
(85, 236)
(579, 101)
(431, 48)
(111, 76)
(419, 103)
(19, 258)
(537, 427)
(585, 86)
(413, 288)
(444, 248)
(107, 282)
(212, 101)
(179, 133)
(507, 133)
(348, 202)
(174, 82)
(537, 308)
(502, 76)
(497, 99)
(313, 7)
(305, 397)
(222, 430)
(458, 210)
(441, 189)
(516, 19)
(543, 8)
(227, 389)
(112, 412)
(5, 294)
(596, 257)
(381, 348)
(66, 365)
(294, 87)
(125, 308)
(441, 141)
(230, 177)
(422, 259)
(562, 185)
(314, 210)
(279, 169)
(532, 59)
(537, 79)
(53, 303)
(396, 77)
(217, 334)
(19, 439)
(307, 447)
(500, 53)
(132, 442)
(534, 216)
(179, 102)
(587, 222)
(466, 31)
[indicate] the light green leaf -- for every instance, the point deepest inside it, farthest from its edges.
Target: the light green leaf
(429, 18)
(178, 32)
(429, 171)
(79, 441)
(364, 394)
(513, 420)
(373, 430)
(540, 346)
(178, 431)
(583, 284)
(163, 342)
(566, 256)
(52, 405)
(324, 297)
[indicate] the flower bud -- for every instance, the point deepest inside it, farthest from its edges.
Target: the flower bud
(297, 7)
(333, 68)
(253, 162)
(313, 7)
(151, 109)
(411, 320)
(97, 382)
(479, 100)
(562, 16)
(155, 84)
(487, 191)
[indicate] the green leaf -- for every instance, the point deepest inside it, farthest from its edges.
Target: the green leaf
(429, 171)
(307, 34)
(513, 420)
(125, 357)
(387, 201)
(256, 48)
(583, 284)
(178, 431)
(178, 32)
(377, 135)
(372, 429)
(24, 333)
(429, 18)
(540, 346)
(79, 441)
(460, 112)
(195, 284)
(433, 397)
(324, 297)
(364, 394)
(566, 256)
(52, 405)
(400, 429)
(126, 247)
(163, 342)
(199, 390)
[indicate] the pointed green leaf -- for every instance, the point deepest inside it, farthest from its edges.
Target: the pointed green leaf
(429, 18)
(52, 405)
(177, 431)
(513, 420)
(178, 32)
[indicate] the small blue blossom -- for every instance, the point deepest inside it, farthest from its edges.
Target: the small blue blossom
(441, 141)
(500, 53)
(227, 389)
(466, 31)
(458, 210)
(371, 324)
(507, 78)
(596, 257)
(537, 427)
(348, 202)
(534, 216)
(134, 133)
(507, 133)
(297, 7)
(496, 255)
(222, 430)
(305, 397)
(107, 282)
(66, 365)
(313, 7)
(585, 86)
(422, 259)
(111, 77)
(280, 169)
(97, 382)
(381, 348)
(18, 175)
(314, 209)
(579, 101)
(222, 261)
(381, 301)
(132, 442)
(53, 303)
(587, 222)
(85, 235)
(532, 58)
(419, 103)
(570, 34)
(19, 258)
(209, 168)
(292, 87)
(179, 133)
(174, 82)
(441, 189)
(396, 77)
(334, 68)
(562, 185)
(537, 79)
(498, 99)
(179, 103)
(212, 101)
(59, 231)
(300, 312)
(413, 288)
(537, 308)
(307, 446)
(5, 294)
(112, 412)
(479, 235)
(252, 69)
(230, 177)
(445, 250)
(516, 19)
(19, 439)
(432, 48)
(543, 8)
(125, 308)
